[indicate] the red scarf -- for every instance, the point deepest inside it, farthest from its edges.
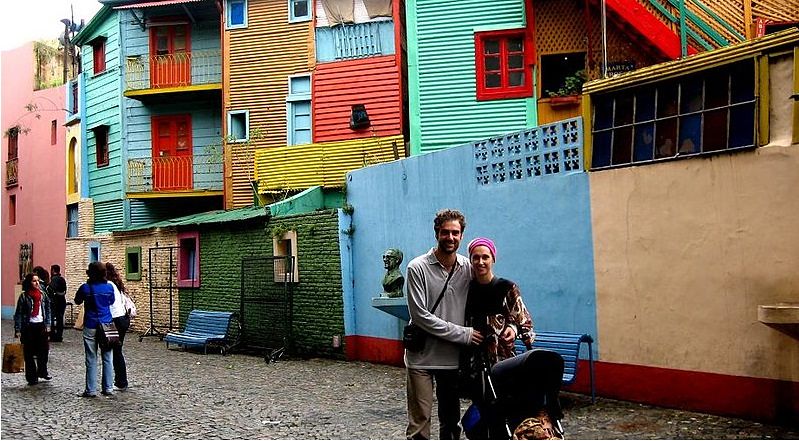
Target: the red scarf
(37, 301)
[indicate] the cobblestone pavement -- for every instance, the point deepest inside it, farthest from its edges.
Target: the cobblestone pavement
(177, 394)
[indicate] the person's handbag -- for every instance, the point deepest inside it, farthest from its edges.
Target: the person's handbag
(107, 336)
(414, 337)
(130, 307)
(13, 360)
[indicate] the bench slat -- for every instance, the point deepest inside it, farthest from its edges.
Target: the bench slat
(202, 328)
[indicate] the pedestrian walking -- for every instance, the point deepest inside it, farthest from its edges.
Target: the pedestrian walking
(31, 326)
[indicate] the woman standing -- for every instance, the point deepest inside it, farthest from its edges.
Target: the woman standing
(98, 295)
(32, 321)
(121, 318)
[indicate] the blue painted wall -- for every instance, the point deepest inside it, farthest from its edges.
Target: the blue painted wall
(326, 39)
(542, 228)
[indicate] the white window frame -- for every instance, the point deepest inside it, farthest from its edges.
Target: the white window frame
(228, 25)
(277, 250)
(293, 98)
(293, 19)
(230, 115)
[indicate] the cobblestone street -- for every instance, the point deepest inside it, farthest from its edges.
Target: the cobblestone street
(178, 394)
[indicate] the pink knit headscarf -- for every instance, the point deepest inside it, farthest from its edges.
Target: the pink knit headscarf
(483, 241)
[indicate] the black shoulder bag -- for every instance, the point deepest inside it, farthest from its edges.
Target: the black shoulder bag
(414, 337)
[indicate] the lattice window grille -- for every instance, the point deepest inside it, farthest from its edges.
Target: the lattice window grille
(529, 154)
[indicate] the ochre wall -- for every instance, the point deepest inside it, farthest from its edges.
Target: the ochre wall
(685, 252)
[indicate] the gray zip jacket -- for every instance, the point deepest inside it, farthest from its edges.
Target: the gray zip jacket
(425, 279)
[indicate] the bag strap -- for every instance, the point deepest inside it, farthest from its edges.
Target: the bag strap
(444, 290)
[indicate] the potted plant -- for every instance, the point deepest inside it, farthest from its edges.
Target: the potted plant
(569, 92)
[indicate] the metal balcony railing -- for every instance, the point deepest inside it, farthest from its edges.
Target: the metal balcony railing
(175, 173)
(12, 172)
(180, 69)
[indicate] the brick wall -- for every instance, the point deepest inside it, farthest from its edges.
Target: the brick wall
(316, 299)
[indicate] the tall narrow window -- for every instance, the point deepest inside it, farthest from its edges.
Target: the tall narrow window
(12, 209)
(72, 220)
(284, 249)
(94, 252)
(74, 98)
(189, 259)
(72, 166)
(236, 14)
(299, 110)
(101, 145)
(98, 55)
(13, 143)
(501, 70)
(300, 10)
(133, 263)
(53, 132)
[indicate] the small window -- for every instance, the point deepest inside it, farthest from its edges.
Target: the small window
(238, 124)
(286, 269)
(298, 109)
(53, 132)
(72, 220)
(557, 70)
(299, 10)
(13, 143)
(12, 209)
(94, 252)
(98, 55)
(189, 260)
(72, 166)
(101, 145)
(236, 14)
(133, 263)
(73, 102)
(501, 70)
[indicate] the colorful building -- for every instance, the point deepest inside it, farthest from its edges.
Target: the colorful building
(33, 213)
(310, 93)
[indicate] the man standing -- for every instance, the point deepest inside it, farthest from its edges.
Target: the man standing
(441, 270)
(58, 290)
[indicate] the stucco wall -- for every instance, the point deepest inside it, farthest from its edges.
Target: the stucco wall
(685, 251)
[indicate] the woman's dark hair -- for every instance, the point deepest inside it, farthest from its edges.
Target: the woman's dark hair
(113, 276)
(27, 282)
(96, 272)
(44, 276)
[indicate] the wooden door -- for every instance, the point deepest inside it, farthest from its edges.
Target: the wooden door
(172, 153)
(170, 56)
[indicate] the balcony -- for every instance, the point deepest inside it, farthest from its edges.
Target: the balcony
(198, 175)
(12, 172)
(179, 72)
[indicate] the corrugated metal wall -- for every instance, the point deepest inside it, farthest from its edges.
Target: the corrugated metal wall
(260, 58)
(108, 216)
(302, 166)
(373, 82)
(444, 111)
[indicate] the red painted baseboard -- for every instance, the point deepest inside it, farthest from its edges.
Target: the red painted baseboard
(745, 397)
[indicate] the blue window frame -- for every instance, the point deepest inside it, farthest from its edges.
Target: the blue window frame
(72, 220)
(298, 110)
(236, 16)
(299, 10)
(94, 252)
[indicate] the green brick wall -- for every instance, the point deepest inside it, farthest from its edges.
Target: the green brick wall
(317, 311)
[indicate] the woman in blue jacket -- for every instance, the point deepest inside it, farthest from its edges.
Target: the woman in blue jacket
(98, 296)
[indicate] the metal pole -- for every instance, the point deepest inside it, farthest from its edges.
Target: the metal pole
(683, 31)
(604, 39)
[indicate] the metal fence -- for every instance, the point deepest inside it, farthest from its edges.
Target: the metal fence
(170, 173)
(179, 69)
(266, 304)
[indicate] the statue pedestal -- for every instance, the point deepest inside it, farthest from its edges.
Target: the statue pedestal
(396, 306)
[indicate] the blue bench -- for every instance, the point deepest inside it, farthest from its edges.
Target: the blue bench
(566, 344)
(204, 328)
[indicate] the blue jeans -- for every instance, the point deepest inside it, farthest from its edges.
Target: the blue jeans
(90, 347)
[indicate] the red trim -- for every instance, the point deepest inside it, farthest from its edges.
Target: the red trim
(529, 40)
(504, 91)
(98, 57)
(182, 260)
(663, 38)
(374, 349)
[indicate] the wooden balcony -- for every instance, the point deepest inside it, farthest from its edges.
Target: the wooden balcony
(12, 172)
(179, 72)
(198, 175)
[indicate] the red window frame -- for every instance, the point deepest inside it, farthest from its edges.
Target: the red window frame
(189, 256)
(13, 143)
(101, 145)
(53, 132)
(98, 55)
(505, 90)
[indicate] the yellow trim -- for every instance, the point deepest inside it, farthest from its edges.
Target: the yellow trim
(795, 134)
(174, 194)
(588, 138)
(762, 80)
(165, 90)
(703, 61)
(73, 198)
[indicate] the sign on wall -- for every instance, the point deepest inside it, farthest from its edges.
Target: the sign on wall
(25, 259)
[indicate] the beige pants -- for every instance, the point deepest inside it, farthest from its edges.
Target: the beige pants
(419, 386)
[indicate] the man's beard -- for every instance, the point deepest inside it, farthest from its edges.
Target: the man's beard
(444, 246)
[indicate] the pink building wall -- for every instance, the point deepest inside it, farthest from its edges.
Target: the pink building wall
(41, 190)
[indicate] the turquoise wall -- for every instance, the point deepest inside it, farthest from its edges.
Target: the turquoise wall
(103, 97)
(444, 111)
(541, 225)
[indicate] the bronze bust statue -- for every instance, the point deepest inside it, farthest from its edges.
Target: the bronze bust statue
(393, 281)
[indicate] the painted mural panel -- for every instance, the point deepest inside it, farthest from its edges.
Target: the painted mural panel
(261, 58)
(441, 68)
(373, 82)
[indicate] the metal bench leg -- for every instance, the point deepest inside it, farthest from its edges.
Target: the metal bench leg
(591, 371)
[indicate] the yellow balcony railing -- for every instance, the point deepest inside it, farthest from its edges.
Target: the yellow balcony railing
(12, 172)
(180, 69)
